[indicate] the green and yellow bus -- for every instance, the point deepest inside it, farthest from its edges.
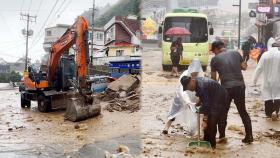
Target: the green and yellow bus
(195, 45)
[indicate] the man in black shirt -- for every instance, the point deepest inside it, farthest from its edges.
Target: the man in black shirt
(213, 98)
(229, 65)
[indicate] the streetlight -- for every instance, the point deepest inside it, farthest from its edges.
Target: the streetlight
(239, 22)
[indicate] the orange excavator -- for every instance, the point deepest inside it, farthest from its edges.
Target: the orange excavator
(64, 83)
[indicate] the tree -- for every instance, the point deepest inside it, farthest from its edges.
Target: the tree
(122, 8)
(15, 76)
(10, 77)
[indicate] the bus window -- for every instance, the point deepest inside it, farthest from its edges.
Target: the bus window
(196, 25)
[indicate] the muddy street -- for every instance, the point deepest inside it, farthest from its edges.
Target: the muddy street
(157, 94)
(30, 133)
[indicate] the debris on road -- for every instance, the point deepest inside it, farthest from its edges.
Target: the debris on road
(235, 128)
(273, 134)
(123, 94)
(122, 152)
(76, 126)
(124, 83)
(130, 103)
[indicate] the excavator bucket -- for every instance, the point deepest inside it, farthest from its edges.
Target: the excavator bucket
(79, 108)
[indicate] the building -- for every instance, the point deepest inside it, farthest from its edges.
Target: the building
(4, 66)
(122, 37)
(98, 42)
(268, 19)
(19, 65)
(52, 34)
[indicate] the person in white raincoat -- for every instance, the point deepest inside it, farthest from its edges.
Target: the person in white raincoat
(269, 67)
(183, 104)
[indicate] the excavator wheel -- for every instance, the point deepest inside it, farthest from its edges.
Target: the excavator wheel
(24, 102)
(78, 109)
(44, 104)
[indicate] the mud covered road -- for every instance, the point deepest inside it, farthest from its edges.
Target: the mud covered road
(29, 133)
(157, 94)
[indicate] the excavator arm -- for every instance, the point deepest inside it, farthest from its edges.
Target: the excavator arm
(76, 34)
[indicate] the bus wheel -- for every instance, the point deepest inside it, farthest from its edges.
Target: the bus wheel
(166, 67)
(204, 68)
(44, 104)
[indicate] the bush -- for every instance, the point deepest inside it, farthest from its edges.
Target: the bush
(10, 77)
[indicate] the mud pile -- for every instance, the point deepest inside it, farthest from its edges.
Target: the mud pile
(274, 135)
(123, 94)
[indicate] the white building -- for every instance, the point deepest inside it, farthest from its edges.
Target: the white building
(54, 33)
(98, 42)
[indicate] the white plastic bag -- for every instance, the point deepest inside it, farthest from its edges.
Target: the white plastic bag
(183, 108)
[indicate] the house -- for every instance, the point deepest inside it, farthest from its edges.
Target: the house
(122, 37)
(98, 42)
(4, 66)
(52, 34)
(19, 65)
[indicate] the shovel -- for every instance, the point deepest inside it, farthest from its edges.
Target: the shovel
(199, 143)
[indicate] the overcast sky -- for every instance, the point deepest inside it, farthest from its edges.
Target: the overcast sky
(12, 42)
(226, 5)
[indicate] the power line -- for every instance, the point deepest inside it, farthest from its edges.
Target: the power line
(38, 35)
(5, 55)
(56, 13)
(65, 7)
(39, 7)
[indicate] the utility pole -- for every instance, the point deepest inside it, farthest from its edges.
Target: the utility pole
(239, 22)
(92, 25)
(28, 18)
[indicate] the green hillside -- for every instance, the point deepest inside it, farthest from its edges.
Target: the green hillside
(122, 8)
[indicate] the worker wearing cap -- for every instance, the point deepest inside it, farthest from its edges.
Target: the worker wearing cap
(213, 98)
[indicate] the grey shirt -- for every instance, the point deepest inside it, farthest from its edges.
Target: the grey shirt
(227, 64)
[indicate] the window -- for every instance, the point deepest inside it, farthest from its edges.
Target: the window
(99, 36)
(49, 33)
(197, 26)
(90, 35)
(119, 53)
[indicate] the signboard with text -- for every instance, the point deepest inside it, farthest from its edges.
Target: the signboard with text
(263, 9)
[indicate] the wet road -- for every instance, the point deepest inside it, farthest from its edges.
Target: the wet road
(29, 133)
(157, 94)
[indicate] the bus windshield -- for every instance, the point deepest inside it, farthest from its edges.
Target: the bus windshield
(196, 25)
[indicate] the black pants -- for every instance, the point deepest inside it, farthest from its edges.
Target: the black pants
(215, 118)
(238, 95)
(271, 106)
